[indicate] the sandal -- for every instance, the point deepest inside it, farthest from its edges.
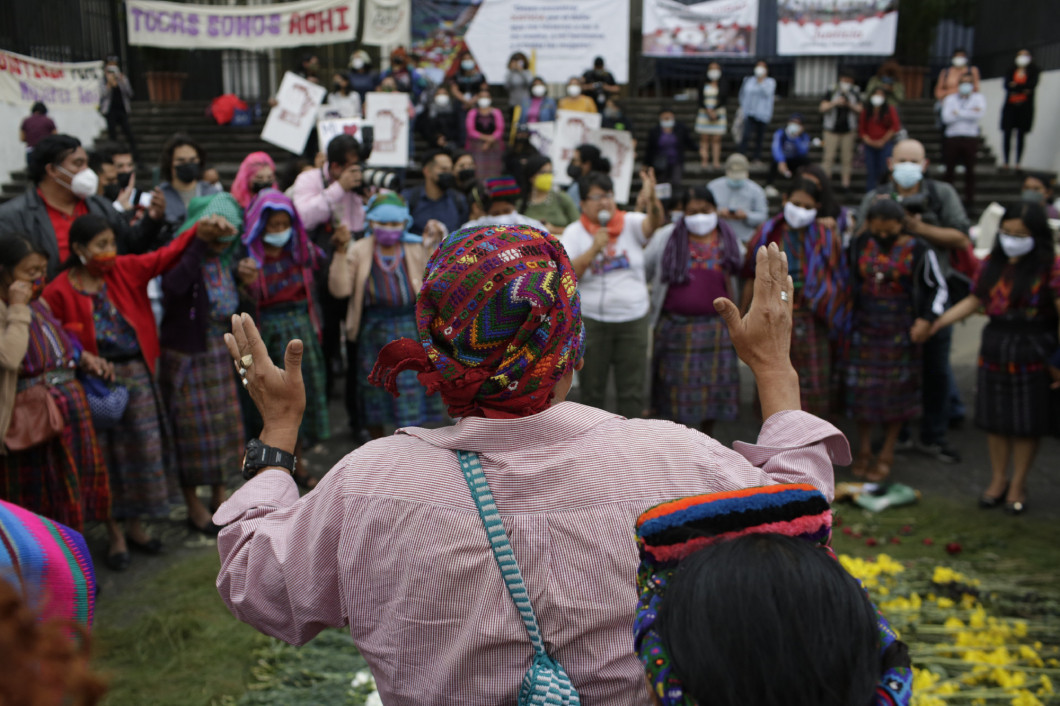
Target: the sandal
(882, 470)
(860, 466)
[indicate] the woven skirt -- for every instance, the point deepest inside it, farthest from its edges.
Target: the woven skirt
(138, 448)
(811, 357)
(695, 374)
(706, 126)
(489, 161)
(64, 479)
(413, 406)
(882, 370)
(1014, 396)
(200, 395)
(280, 325)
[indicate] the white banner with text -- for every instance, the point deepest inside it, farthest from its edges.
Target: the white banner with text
(712, 28)
(70, 86)
(827, 28)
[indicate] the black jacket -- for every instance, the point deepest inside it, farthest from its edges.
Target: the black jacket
(27, 214)
(684, 144)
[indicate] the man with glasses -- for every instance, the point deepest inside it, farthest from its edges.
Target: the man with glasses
(606, 248)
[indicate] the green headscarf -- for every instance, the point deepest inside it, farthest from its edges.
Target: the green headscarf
(220, 204)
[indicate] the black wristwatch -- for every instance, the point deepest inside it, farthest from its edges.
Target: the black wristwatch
(260, 456)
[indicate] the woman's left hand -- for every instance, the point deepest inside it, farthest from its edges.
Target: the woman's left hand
(921, 331)
(97, 366)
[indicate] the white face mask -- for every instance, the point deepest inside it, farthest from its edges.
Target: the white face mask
(574, 90)
(1023, 60)
(845, 86)
(1015, 245)
(441, 100)
(960, 61)
(793, 130)
(760, 71)
(83, 184)
(538, 91)
(798, 217)
(484, 103)
(701, 223)
(357, 64)
(878, 100)
(714, 74)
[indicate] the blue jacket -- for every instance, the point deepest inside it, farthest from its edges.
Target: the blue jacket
(784, 147)
(547, 114)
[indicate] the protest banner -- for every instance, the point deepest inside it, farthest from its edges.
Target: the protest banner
(174, 25)
(572, 129)
(836, 27)
(386, 22)
(617, 147)
(541, 135)
(294, 116)
(388, 114)
(327, 130)
(70, 86)
(713, 28)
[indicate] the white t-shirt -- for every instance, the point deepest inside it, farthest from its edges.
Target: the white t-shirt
(613, 288)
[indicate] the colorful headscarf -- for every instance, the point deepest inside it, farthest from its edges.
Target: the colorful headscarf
(250, 166)
(219, 204)
(499, 322)
(672, 531)
(391, 208)
(502, 188)
(304, 251)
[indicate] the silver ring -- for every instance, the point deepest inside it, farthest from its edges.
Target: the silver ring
(242, 372)
(783, 296)
(245, 382)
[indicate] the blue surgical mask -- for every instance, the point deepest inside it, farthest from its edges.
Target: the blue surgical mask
(965, 89)
(735, 183)
(907, 174)
(1032, 196)
(277, 240)
(666, 124)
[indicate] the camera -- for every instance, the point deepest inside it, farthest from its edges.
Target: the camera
(380, 178)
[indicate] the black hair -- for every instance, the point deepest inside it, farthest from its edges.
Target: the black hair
(39, 108)
(431, 155)
(290, 170)
(667, 109)
(103, 153)
(176, 140)
(533, 164)
(696, 193)
(340, 148)
(959, 50)
(519, 55)
(768, 618)
(846, 73)
(830, 207)
(53, 149)
(1037, 263)
(82, 231)
(477, 193)
(308, 56)
(598, 179)
(807, 186)
(598, 61)
(886, 209)
(14, 248)
(1047, 180)
(592, 155)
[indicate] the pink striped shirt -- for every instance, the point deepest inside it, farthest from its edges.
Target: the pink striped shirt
(390, 544)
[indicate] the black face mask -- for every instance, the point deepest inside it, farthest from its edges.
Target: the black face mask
(111, 191)
(337, 88)
(124, 179)
(465, 176)
(574, 171)
(445, 180)
(187, 172)
(257, 186)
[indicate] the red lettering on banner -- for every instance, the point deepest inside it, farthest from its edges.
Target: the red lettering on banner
(296, 24)
(343, 27)
(310, 20)
(325, 21)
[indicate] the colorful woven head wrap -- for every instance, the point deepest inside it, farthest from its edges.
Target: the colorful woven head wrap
(499, 323)
(502, 188)
(672, 531)
(250, 166)
(305, 253)
(219, 204)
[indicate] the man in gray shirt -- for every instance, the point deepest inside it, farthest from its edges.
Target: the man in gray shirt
(741, 202)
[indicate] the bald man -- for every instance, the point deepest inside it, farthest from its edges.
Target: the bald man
(934, 213)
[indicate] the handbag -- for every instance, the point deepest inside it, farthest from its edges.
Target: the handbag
(546, 682)
(35, 419)
(107, 401)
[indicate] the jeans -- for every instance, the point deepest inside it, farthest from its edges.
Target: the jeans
(938, 380)
(962, 150)
(752, 124)
(876, 164)
(622, 347)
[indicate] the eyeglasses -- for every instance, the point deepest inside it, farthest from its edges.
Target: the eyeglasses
(601, 197)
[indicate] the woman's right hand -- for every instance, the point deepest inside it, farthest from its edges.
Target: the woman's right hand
(600, 239)
(20, 292)
(247, 270)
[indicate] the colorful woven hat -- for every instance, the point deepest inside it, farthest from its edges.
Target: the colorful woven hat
(502, 188)
(670, 532)
(499, 322)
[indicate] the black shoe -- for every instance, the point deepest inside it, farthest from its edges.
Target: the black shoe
(1016, 508)
(209, 529)
(118, 562)
(988, 503)
(152, 546)
(941, 452)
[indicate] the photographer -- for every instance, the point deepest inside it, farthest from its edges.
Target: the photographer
(115, 101)
(935, 214)
(599, 83)
(840, 109)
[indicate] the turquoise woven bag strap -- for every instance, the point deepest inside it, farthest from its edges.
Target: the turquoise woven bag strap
(546, 683)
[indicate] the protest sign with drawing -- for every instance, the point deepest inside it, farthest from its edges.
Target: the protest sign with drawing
(617, 147)
(294, 116)
(571, 129)
(327, 130)
(388, 114)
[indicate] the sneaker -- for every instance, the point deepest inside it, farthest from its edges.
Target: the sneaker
(905, 444)
(942, 452)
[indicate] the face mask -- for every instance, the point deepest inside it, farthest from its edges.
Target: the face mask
(735, 183)
(538, 91)
(484, 103)
(666, 124)
(845, 86)
(793, 130)
(965, 89)
(1032, 196)
(100, 265)
(507, 219)
(519, 65)
(798, 217)
(445, 180)
(124, 179)
(357, 64)
(960, 61)
(278, 240)
(467, 64)
(616, 113)
(187, 172)
(574, 91)
(574, 171)
(227, 238)
(877, 100)
(701, 223)
(465, 176)
(442, 100)
(714, 74)
(387, 236)
(1014, 245)
(111, 191)
(543, 182)
(1023, 60)
(84, 184)
(907, 174)
(259, 186)
(760, 71)
(38, 287)
(675, 216)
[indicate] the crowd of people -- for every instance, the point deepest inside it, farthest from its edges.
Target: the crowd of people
(144, 331)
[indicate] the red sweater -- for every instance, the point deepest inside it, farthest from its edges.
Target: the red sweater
(127, 290)
(875, 128)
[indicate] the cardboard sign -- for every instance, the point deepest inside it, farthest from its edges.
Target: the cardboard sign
(294, 116)
(388, 114)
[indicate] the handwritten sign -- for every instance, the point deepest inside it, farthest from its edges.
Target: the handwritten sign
(294, 116)
(70, 86)
(572, 129)
(388, 114)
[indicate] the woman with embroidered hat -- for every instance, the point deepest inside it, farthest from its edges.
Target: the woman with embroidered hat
(199, 295)
(392, 541)
(497, 198)
(381, 274)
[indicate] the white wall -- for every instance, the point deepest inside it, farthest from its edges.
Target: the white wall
(1042, 146)
(82, 124)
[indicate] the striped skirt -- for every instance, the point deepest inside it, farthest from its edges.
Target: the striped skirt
(882, 370)
(489, 161)
(65, 479)
(811, 356)
(695, 374)
(1014, 396)
(138, 448)
(200, 395)
(413, 406)
(280, 325)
